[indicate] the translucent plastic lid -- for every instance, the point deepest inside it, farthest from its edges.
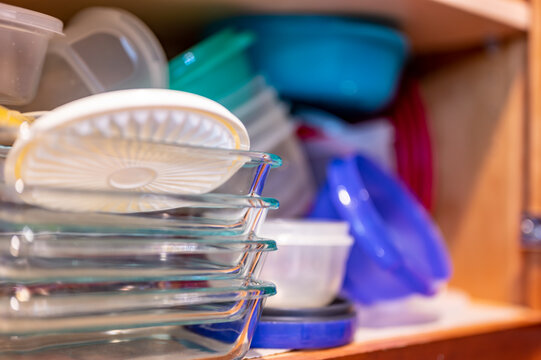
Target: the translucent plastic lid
(30, 18)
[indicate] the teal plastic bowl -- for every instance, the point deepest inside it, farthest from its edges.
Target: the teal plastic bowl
(214, 68)
(332, 61)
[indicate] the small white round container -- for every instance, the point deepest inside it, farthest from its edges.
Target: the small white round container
(24, 36)
(309, 266)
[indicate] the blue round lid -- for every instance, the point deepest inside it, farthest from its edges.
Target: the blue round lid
(329, 326)
(398, 249)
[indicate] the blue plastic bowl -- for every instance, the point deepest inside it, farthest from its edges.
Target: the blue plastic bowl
(397, 250)
(333, 61)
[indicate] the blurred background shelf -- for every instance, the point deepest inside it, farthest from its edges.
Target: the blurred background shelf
(432, 25)
(484, 103)
(476, 330)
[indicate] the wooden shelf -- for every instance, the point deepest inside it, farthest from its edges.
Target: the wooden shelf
(432, 25)
(477, 330)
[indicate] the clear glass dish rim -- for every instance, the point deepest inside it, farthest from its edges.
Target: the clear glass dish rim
(256, 157)
(208, 240)
(220, 286)
(91, 256)
(196, 201)
(230, 293)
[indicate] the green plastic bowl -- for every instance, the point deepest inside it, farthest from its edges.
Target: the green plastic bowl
(215, 67)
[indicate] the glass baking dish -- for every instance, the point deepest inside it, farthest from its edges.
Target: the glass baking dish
(196, 215)
(177, 328)
(64, 307)
(27, 258)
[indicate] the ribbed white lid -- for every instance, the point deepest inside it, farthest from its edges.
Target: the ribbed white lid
(30, 18)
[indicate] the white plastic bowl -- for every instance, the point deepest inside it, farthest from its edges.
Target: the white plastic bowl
(24, 36)
(309, 266)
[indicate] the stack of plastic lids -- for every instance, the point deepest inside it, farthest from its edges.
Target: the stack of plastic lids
(219, 68)
(128, 227)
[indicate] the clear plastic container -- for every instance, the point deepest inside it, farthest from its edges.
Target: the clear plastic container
(161, 320)
(309, 266)
(27, 257)
(136, 54)
(104, 49)
(24, 36)
(60, 81)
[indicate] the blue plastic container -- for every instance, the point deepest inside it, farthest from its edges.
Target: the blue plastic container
(333, 61)
(397, 251)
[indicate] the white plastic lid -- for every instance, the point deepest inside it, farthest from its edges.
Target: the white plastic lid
(30, 18)
(307, 232)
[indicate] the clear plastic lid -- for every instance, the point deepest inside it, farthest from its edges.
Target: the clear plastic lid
(30, 18)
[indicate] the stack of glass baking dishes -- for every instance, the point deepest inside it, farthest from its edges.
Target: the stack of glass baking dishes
(112, 274)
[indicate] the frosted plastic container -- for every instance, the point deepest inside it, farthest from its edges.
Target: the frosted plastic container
(104, 49)
(292, 184)
(60, 81)
(24, 36)
(247, 95)
(309, 266)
